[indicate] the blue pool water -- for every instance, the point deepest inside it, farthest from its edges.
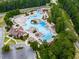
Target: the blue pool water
(41, 27)
(42, 23)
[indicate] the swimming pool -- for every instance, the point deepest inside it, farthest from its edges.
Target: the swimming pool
(41, 26)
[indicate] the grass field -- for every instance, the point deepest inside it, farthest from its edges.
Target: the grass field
(10, 42)
(6, 39)
(1, 21)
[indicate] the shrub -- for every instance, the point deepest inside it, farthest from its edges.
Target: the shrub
(9, 14)
(6, 48)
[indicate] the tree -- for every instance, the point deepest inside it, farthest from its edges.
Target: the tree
(55, 12)
(42, 2)
(10, 14)
(72, 11)
(76, 2)
(19, 4)
(60, 25)
(44, 51)
(34, 45)
(63, 47)
(48, 1)
(6, 48)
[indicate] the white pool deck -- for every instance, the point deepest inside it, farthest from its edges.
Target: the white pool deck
(22, 19)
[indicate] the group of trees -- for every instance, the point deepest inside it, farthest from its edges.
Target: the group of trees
(14, 4)
(72, 10)
(8, 15)
(76, 2)
(34, 45)
(61, 49)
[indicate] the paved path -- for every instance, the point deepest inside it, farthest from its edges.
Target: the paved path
(77, 44)
(0, 54)
(11, 39)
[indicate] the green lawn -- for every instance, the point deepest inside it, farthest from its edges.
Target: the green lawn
(1, 21)
(6, 39)
(19, 40)
(10, 42)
